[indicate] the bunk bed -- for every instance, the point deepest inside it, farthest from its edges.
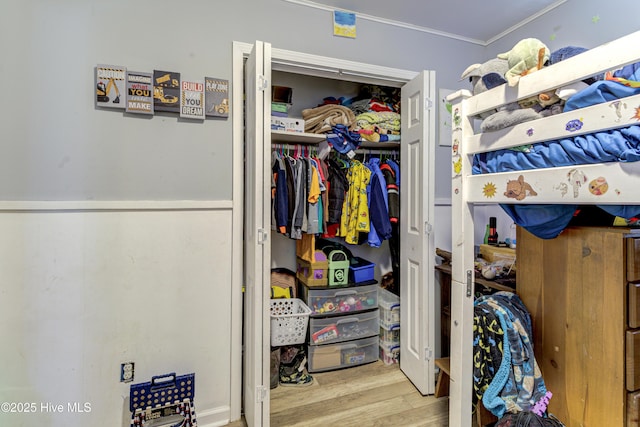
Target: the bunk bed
(541, 186)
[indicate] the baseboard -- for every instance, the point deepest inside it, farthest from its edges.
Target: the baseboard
(220, 416)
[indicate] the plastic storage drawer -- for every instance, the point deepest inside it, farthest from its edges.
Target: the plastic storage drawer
(389, 354)
(335, 329)
(340, 300)
(344, 355)
(390, 334)
(389, 308)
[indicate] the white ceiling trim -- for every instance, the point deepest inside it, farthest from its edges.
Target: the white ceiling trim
(405, 25)
(526, 21)
(312, 4)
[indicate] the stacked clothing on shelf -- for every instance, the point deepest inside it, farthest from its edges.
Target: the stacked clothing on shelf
(373, 115)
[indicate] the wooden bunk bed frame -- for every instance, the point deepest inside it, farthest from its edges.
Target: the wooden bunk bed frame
(468, 189)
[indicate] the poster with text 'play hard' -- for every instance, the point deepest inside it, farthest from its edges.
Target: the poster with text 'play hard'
(110, 86)
(216, 96)
(192, 99)
(139, 92)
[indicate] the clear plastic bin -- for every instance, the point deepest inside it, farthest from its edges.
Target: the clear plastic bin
(390, 334)
(346, 300)
(335, 329)
(344, 355)
(389, 304)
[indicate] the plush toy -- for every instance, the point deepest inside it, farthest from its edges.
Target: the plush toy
(527, 56)
(486, 76)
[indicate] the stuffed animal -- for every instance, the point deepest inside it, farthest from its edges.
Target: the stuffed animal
(527, 56)
(486, 76)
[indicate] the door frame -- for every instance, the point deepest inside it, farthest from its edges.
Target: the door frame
(294, 62)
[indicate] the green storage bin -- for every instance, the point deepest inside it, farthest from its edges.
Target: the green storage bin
(338, 268)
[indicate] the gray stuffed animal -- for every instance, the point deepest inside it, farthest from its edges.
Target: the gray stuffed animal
(487, 76)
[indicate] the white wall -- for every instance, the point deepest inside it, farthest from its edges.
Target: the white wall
(84, 290)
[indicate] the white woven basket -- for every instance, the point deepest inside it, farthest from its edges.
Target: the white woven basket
(289, 320)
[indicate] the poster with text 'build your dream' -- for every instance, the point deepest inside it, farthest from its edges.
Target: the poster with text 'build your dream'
(192, 99)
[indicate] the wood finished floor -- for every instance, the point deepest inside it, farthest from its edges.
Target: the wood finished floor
(370, 395)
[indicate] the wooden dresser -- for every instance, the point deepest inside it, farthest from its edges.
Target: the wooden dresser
(585, 308)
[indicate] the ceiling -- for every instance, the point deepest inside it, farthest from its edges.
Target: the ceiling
(480, 22)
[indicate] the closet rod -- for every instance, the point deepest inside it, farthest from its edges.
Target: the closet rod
(376, 151)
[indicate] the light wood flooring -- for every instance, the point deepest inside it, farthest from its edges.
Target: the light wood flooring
(370, 395)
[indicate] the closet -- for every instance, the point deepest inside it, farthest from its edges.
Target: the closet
(264, 67)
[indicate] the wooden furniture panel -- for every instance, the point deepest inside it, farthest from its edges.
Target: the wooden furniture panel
(633, 360)
(633, 409)
(633, 259)
(633, 313)
(575, 290)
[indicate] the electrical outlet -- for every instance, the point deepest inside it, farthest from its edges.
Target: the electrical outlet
(126, 372)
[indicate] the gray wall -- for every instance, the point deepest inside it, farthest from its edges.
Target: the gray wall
(57, 146)
(573, 24)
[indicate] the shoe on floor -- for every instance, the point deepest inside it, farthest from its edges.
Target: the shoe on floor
(300, 379)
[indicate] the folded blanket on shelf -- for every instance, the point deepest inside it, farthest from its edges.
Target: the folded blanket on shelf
(385, 120)
(321, 119)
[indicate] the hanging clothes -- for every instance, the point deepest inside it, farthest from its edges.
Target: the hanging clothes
(355, 210)
(380, 229)
(279, 194)
(337, 190)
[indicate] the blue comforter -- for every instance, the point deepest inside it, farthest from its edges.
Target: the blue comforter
(619, 145)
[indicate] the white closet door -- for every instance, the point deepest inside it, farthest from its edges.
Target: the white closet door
(417, 308)
(257, 246)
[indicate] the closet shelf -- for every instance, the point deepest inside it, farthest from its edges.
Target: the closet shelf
(286, 137)
(296, 137)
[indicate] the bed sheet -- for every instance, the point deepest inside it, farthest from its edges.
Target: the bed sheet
(619, 145)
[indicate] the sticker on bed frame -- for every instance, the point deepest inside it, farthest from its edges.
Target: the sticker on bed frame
(637, 115)
(530, 132)
(598, 186)
(562, 187)
(576, 179)
(457, 119)
(574, 125)
(618, 108)
(457, 166)
(455, 146)
(519, 189)
(489, 190)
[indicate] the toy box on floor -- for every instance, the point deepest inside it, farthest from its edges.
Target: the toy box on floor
(165, 400)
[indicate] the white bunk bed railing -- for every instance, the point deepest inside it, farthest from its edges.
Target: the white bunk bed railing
(561, 185)
(606, 57)
(610, 115)
(467, 189)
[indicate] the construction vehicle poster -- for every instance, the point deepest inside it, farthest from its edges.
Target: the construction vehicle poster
(139, 92)
(216, 97)
(192, 99)
(166, 91)
(110, 86)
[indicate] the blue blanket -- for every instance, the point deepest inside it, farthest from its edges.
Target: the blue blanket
(619, 145)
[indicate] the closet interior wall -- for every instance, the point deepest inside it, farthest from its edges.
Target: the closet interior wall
(309, 92)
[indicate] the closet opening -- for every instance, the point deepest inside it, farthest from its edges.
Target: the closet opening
(267, 248)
